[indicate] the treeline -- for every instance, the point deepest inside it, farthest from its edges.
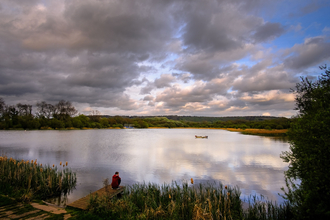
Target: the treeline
(211, 119)
(48, 116)
(277, 123)
(63, 115)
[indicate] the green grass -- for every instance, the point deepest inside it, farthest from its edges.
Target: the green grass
(185, 201)
(25, 180)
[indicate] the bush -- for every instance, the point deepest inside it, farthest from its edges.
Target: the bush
(118, 126)
(279, 127)
(309, 153)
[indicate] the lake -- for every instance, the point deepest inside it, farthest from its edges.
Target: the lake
(156, 156)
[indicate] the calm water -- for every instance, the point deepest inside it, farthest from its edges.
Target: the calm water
(157, 156)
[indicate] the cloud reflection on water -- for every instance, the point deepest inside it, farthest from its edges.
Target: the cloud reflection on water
(157, 156)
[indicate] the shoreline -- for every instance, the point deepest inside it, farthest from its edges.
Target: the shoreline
(248, 131)
(252, 131)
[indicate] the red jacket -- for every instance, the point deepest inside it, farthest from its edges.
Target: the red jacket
(115, 181)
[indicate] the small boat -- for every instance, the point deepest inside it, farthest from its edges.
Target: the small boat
(196, 136)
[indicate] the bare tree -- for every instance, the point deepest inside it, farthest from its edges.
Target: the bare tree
(24, 109)
(64, 109)
(95, 113)
(10, 111)
(45, 110)
(2, 106)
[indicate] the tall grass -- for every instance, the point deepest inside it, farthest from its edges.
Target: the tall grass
(265, 132)
(30, 179)
(259, 208)
(184, 201)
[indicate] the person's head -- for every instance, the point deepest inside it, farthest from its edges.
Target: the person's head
(117, 173)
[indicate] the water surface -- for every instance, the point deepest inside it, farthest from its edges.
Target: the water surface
(156, 156)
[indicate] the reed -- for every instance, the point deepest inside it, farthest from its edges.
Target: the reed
(25, 179)
(266, 132)
(184, 201)
(259, 208)
(171, 201)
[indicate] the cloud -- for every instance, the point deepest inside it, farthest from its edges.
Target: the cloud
(163, 81)
(265, 97)
(185, 77)
(262, 78)
(208, 27)
(78, 51)
(200, 92)
(204, 56)
(313, 51)
(268, 31)
(206, 67)
(304, 9)
(148, 98)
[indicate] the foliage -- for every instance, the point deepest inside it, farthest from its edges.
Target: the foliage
(258, 208)
(308, 176)
(183, 201)
(63, 116)
(29, 180)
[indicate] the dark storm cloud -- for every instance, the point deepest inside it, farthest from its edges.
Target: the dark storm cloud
(105, 71)
(120, 26)
(89, 50)
(218, 25)
(17, 89)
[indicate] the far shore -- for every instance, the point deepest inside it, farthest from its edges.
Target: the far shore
(251, 131)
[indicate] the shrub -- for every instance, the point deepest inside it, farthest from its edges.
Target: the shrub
(309, 153)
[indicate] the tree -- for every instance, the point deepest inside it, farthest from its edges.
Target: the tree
(308, 176)
(95, 115)
(45, 110)
(24, 109)
(64, 110)
(2, 106)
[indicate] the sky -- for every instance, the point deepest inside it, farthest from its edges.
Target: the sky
(162, 57)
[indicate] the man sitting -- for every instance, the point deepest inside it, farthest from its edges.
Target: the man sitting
(116, 181)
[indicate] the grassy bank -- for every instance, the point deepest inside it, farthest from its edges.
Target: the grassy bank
(261, 132)
(185, 201)
(27, 180)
